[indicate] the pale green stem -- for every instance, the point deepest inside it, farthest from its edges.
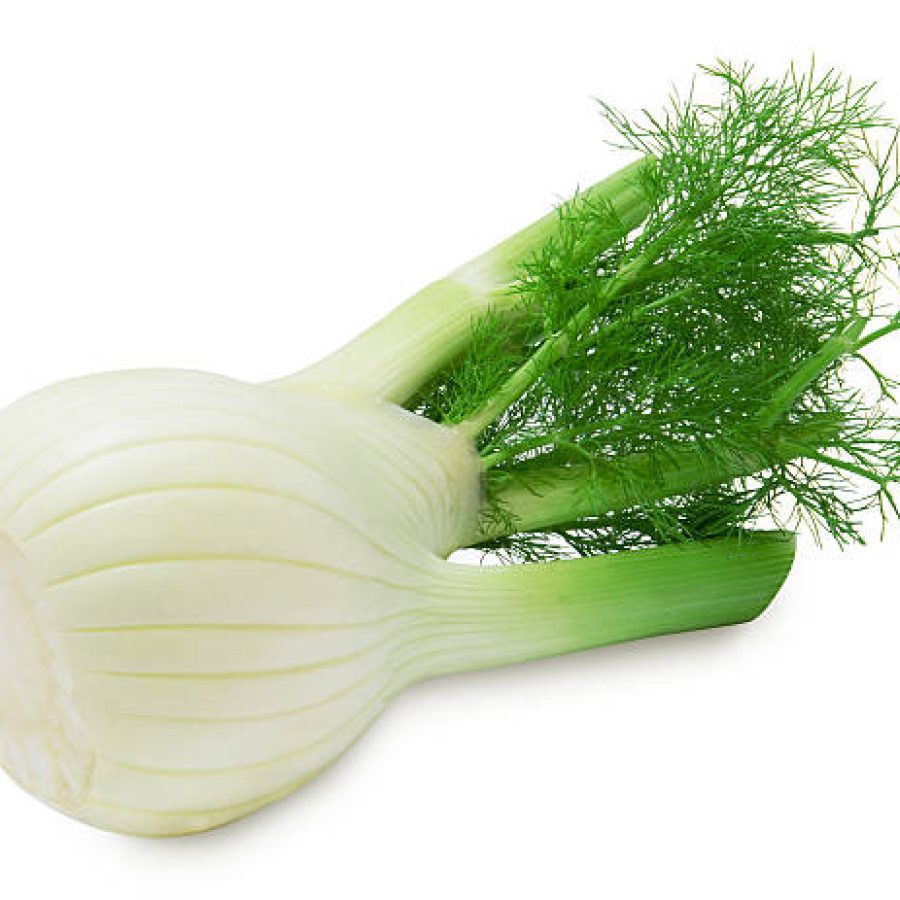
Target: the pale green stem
(573, 492)
(504, 614)
(892, 326)
(550, 352)
(565, 494)
(850, 467)
(835, 347)
(399, 354)
(560, 346)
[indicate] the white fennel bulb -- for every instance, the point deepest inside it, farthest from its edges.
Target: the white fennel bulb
(209, 589)
(207, 577)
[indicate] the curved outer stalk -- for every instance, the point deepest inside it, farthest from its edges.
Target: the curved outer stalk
(396, 356)
(506, 614)
(209, 589)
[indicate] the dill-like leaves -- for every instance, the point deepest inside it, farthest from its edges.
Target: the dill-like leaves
(722, 328)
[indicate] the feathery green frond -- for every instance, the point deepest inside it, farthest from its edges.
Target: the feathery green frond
(727, 322)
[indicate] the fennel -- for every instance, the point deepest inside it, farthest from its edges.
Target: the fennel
(209, 589)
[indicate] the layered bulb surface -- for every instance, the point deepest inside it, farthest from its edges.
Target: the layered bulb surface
(210, 588)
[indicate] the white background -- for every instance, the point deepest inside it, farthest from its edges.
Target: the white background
(240, 186)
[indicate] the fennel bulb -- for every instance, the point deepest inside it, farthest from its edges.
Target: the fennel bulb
(211, 588)
(208, 589)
